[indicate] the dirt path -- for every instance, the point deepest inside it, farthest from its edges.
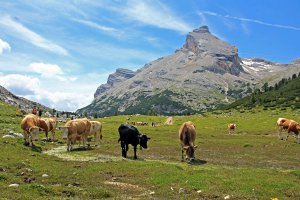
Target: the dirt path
(62, 153)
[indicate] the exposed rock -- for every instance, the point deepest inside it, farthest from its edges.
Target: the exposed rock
(119, 76)
(8, 136)
(14, 185)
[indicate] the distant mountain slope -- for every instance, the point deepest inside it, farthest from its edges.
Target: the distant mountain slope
(17, 101)
(285, 94)
(204, 73)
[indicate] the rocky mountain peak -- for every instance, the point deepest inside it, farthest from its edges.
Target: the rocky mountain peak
(202, 29)
(119, 76)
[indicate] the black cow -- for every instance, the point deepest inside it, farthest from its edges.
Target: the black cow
(130, 135)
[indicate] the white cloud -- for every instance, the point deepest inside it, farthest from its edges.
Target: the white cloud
(20, 84)
(105, 29)
(156, 14)
(32, 88)
(27, 35)
(46, 70)
(249, 20)
(50, 71)
(4, 46)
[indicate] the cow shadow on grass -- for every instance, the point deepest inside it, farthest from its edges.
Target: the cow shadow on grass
(36, 149)
(132, 158)
(88, 148)
(198, 162)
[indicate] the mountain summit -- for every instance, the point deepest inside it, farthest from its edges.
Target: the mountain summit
(204, 73)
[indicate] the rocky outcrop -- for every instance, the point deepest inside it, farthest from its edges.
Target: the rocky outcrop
(19, 102)
(119, 76)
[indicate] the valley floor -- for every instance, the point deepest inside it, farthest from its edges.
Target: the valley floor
(251, 164)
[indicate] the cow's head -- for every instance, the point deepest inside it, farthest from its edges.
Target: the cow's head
(143, 141)
(65, 131)
(34, 132)
(190, 152)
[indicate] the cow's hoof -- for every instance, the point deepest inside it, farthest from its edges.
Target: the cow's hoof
(26, 143)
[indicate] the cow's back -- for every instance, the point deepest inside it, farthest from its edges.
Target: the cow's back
(79, 126)
(29, 121)
(187, 133)
(128, 133)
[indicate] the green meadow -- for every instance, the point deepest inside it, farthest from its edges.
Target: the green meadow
(251, 164)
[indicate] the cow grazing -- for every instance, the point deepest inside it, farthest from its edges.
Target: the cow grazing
(289, 125)
(130, 135)
(29, 124)
(231, 128)
(48, 125)
(187, 136)
(74, 130)
(96, 130)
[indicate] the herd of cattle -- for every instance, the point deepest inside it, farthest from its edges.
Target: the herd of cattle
(79, 130)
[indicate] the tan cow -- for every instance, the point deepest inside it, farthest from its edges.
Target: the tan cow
(187, 136)
(74, 130)
(48, 125)
(231, 128)
(96, 130)
(29, 124)
(289, 125)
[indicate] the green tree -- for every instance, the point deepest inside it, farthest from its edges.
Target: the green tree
(265, 87)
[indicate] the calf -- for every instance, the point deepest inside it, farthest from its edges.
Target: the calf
(130, 135)
(74, 130)
(231, 128)
(29, 124)
(187, 136)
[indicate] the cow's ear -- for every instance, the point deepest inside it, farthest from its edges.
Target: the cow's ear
(195, 146)
(185, 148)
(148, 138)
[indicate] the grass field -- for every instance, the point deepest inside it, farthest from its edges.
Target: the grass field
(252, 164)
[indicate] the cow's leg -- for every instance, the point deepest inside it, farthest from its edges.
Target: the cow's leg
(96, 136)
(123, 149)
(134, 149)
(25, 135)
(126, 149)
(182, 151)
(30, 141)
(280, 133)
(287, 136)
(53, 134)
(46, 133)
(69, 147)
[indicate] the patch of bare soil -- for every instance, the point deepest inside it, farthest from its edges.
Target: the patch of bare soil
(61, 152)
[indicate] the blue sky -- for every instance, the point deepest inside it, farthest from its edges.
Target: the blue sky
(58, 52)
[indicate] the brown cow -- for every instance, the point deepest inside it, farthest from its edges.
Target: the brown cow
(29, 124)
(295, 128)
(289, 125)
(231, 128)
(48, 125)
(187, 136)
(74, 130)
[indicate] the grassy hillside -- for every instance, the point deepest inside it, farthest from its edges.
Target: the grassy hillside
(252, 164)
(285, 94)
